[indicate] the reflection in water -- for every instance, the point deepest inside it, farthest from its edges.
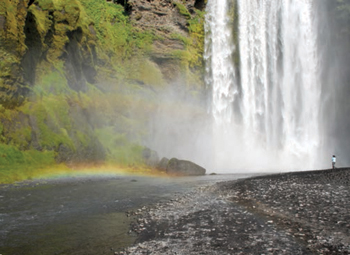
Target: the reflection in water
(81, 216)
(98, 234)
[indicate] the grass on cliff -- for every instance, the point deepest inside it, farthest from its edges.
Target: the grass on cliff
(115, 111)
(16, 165)
(120, 150)
(192, 57)
(58, 117)
(115, 34)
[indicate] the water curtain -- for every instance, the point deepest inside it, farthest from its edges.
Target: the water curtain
(266, 104)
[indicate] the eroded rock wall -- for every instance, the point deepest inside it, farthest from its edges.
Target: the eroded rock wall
(59, 66)
(33, 32)
(12, 49)
(170, 21)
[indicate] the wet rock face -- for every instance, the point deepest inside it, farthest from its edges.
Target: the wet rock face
(2, 22)
(30, 40)
(199, 4)
(184, 167)
(150, 157)
(161, 166)
(164, 18)
(34, 51)
(12, 49)
(162, 15)
(32, 34)
(79, 67)
(124, 3)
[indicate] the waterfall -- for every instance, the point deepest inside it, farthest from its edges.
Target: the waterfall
(219, 58)
(269, 118)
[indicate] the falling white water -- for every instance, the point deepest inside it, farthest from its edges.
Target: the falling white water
(218, 54)
(270, 117)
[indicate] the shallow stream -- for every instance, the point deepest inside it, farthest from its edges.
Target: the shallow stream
(81, 215)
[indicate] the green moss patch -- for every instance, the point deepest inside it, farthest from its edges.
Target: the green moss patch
(16, 165)
(120, 150)
(183, 10)
(85, 82)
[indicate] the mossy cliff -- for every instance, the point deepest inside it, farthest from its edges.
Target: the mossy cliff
(178, 45)
(79, 80)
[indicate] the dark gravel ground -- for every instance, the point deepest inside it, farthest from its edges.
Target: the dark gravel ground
(292, 213)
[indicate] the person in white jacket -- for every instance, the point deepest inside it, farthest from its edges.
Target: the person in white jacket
(334, 159)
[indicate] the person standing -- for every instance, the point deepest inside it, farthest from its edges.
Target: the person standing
(334, 159)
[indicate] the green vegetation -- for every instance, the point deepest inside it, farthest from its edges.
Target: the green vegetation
(196, 28)
(183, 10)
(77, 84)
(121, 150)
(117, 39)
(192, 57)
(343, 10)
(16, 165)
(12, 48)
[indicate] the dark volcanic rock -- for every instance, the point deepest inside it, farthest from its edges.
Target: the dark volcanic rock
(184, 167)
(163, 164)
(294, 213)
(200, 4)
(150, 157)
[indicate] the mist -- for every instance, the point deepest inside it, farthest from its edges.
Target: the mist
(181, 127)
(289, 113)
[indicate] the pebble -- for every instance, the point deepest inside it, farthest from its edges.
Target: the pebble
(294, 213)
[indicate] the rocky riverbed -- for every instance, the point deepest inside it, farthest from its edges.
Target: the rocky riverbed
(292, 213)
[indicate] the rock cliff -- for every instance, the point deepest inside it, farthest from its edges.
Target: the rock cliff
(36, 31)
(171, 22)
(71, 72)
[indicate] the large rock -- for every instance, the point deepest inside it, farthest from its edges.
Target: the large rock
(162, 165)
(150, 157)
(184, 167)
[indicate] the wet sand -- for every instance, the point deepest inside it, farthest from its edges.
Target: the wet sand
(292, 213)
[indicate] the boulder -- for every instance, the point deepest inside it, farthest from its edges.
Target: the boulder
(150, 157)
(162, 165)
(184, 167)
